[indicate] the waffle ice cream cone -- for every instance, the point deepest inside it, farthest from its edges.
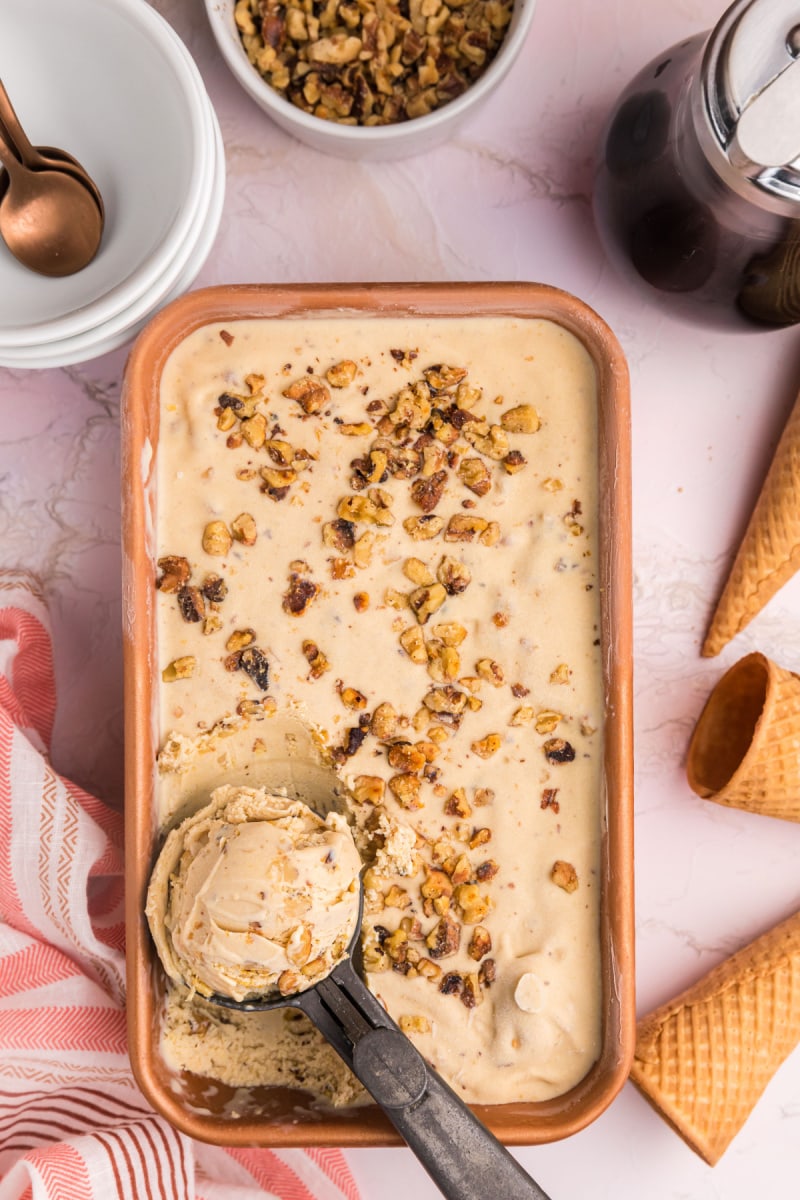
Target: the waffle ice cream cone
(770, 551)
(704, 1059)
(745, 749)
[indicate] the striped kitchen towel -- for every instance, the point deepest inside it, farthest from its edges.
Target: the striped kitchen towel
(73, 1125)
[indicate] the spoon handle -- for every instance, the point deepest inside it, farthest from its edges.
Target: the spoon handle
(462, 1157)
(16, 136)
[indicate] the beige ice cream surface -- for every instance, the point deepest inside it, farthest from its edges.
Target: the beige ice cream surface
(378, 556)
(254, 894)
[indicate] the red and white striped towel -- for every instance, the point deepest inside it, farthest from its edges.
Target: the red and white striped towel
(73, 1125)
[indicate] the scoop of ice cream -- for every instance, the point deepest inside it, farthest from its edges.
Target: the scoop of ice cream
(254, 893)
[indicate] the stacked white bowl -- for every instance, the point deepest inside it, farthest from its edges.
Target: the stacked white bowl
(110, 82)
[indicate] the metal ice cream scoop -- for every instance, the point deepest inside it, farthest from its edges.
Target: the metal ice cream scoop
(463, 1158)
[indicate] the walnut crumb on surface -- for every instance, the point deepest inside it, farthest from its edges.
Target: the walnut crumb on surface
(565, 876)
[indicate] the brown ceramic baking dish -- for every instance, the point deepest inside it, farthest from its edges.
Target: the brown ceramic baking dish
(275, 1117)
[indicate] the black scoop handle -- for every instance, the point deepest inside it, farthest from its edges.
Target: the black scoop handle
(462, 1157)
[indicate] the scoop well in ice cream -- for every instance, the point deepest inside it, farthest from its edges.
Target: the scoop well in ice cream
(254, 893)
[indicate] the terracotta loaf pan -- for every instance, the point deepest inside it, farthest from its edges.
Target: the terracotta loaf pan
(279, 1117)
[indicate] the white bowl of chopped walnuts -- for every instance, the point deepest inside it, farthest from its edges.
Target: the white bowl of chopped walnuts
(362, 81)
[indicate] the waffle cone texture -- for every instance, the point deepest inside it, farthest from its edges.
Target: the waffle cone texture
(770, 551)
(745, 749)
(704, 1059)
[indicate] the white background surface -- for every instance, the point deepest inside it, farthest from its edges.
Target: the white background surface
(508, 199)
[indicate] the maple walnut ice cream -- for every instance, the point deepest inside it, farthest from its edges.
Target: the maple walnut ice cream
(253, 895)
(377, 556)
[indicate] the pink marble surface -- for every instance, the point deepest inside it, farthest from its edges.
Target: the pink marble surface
(508, 199)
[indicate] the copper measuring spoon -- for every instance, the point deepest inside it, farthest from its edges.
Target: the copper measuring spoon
(40, 158)
(462, 1157)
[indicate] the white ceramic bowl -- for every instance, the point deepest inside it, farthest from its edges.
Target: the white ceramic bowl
(374, 143)
(176, 279)
(113, 84)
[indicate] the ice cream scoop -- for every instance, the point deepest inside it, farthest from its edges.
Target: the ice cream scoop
(231, 887)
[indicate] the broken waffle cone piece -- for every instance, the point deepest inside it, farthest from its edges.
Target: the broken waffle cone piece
(745, 749)
(770, 551)
(704, 1059)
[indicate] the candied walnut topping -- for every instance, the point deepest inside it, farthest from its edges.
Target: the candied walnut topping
(175, 572)
(244, 529)
(217, 539)
(310, 393)
(445, 938)
(473, 903)
(454, 576)
(448, 703)
(549, 799)
(557, 750)
(339, 534)
(315, 659)
(300, 593)
(384, 721)
(487, 746)
(191, 604)
(422, 529)
(452, 983)
(463, 527)
(341, 374)
(254, 663)
(361, 601)
(239, 639)
(368, 789)
(514, 461)
(441, 378)
(565, 876)
(457, 804)
(547, 720)
(523, 715)
(406, 790)
(428, 492)
(471, 993)
(425, 601)
(418, 572)
(474, 474)
(522, 419)
(179, 668)
(491, 671)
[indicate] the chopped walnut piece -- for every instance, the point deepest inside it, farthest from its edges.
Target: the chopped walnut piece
(454, 576)
(461, 871)
(374, 508)
(179, 668)
(557, 750)
(244, 529)
(357, 429)
(175, 572)
(405, 757)
(436, 885)
(487, 746)
(361, 601)
(414, 1024)
(425, 601)
(450, 632)
(254, 663)
(341, 374)
(352, 698)
(445, 938)
(463, 527)
(316, 659)
(471, 994)
(341, 568)
(522, 419)
(281, 453)
(413, 643)
(418, 572)
(474, 474)
(549, 799)
(486, 871)
(441, 378)
(239, 639)
(254, 430)
(561, 674)
(473, 903)
(289, 982)
(490, 535)
(523, 715)
(191, 604)
(276, 482)
(491, 671)
(412, 406)
(493, 443)
(217, 538)
(457, 804)
(428, 492)
(384, 721)
(587, 728)
(422, 529)
(212, 623)
(397, 897)
(368, 789)
(406, 790)
(339, 534)
(547, 720)
(299, 595)
(565, 875)
(479, 838)
(482, 796)
(310, 393)
(447, 702)
(514, 461)
(487, 973)
(452, 983)
(444, 663)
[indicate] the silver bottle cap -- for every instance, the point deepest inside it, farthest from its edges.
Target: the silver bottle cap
(748, 115)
